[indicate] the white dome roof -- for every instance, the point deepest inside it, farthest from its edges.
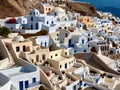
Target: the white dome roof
(58, 9)
(18, 38)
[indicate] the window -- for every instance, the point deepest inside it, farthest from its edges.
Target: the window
(43, 57)
(31, 18)
(24, 48)
(34, 80)
(26, 84)
(32, 61)
(60, 66)
(51, 57)
(11, 28)
(60, 27)
(37, 58)
(65, 53)
(82, 41)
(55, 14)
(88, 45)
(45, 44)
(65, 27)
(65, 65)
(84, 50)
(52, 22)
(17, 49)
(47, 22)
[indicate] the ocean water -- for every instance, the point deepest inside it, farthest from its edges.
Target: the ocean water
(112, 6)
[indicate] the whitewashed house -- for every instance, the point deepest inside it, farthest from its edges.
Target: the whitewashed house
(42, 41)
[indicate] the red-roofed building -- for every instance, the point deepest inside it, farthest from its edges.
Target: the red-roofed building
(12, 21)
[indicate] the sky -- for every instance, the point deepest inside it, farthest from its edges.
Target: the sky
(103, 3)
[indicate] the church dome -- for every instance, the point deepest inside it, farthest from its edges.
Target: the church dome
(58, 9)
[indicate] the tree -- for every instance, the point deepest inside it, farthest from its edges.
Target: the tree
(4, 31)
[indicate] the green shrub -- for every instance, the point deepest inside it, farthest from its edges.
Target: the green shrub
(4, 31)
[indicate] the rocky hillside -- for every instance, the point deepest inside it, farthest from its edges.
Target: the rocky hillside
(12, 8)
(15, 7)
(82, 8)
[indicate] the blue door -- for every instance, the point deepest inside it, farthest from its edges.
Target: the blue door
(26, 84)
(21, 85)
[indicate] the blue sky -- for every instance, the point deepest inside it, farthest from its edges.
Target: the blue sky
(103, 3)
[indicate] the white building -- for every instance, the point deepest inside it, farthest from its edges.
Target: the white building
(15, 73)
(42, 41)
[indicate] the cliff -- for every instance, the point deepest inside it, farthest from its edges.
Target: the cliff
(13, 8)
(84, 9)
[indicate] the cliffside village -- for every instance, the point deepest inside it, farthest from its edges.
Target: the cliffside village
(77, 53)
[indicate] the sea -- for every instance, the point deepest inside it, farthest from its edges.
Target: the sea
(112, 6)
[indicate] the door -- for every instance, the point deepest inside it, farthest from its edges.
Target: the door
(26, 84)
(21, 85)
(24, 49)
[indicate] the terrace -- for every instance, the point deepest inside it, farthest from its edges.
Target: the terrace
(52, 76)
(15, 71)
